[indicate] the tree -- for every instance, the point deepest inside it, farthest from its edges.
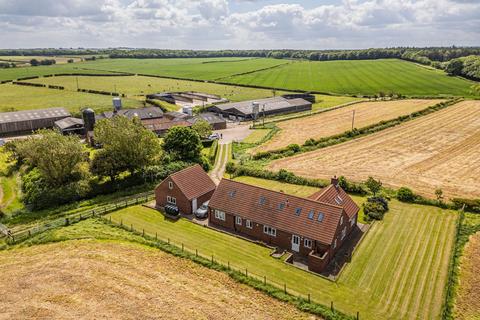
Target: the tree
(454, 67)
(439, 194)
(57, 157)
(405, 194)
(373, 185)
(126, 144)
(184, 144)
(34, 62)
(203, 128)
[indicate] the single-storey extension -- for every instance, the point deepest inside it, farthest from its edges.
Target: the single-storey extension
(313, 229)
(217, 122)
(187, 189)
(245, 110)
(27, 121)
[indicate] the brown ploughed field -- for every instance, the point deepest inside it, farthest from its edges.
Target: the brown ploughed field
(90, 279)
(440, 150)
(468, 298)
(340, 120)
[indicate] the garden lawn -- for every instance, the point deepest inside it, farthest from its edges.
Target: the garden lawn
(362, 77)
(398, 272)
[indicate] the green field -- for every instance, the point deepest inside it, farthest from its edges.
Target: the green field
(359, 77)
(398, 272)
(14, 97)
(140, 86)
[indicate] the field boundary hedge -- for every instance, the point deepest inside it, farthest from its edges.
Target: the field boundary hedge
(321, 143)
(253, 71)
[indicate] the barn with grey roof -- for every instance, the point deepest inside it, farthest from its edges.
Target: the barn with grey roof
(27, 121)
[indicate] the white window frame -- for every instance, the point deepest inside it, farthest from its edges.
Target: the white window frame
(270, 231)
(307, 243)
(249, 224)
(344, 232)
(341, 220)
(170, 185)
(172, 200)
(220, 215)
(238, 220)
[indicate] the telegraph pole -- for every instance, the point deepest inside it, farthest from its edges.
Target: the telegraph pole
(77, 82)
(353, 119)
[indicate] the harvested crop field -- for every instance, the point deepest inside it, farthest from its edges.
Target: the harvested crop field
(468, 298)
(340, 120)
(117, 280)
(439, 150)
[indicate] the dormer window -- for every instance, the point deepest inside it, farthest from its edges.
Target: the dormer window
(310, 214)
(320, 217)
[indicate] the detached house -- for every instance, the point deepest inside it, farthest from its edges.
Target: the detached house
(312, 228)
(187, 189)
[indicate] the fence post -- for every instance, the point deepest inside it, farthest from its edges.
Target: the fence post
(358, 315)
(228, 265)
(29, 233)
(309, 298)
(131, 227)
(331, 305)
(246, 272)
(265, 280)
(285, 288)
(196, 252)
(182, 246)
(168, 240)
(121, 222)
(212, 258)
(143, 233)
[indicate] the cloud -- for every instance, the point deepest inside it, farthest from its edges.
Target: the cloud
(206, 24)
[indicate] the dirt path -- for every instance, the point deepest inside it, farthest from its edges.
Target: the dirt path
(90, 279)
(221, 162)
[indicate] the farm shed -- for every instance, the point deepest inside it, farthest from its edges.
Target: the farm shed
(186, 189)
(142, 113)
(244, 110)
(313, 229)
(161, 125)
(187, 98)
(70, 125)
(27, 121)
(217, 122)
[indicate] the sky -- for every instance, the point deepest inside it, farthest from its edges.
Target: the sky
(238, 24)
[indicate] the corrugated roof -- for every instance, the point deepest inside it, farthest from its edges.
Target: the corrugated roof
(337, 196)
(27, 115)
(279, 210)
(142, 113)
(193, 181)
(68, 122)
(269, 104)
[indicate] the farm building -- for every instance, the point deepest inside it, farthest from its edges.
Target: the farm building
(187, 189)
(161, 125)
(70, 125)
(141, 113)
(313, 229)
(188, 98)
(217, 122)
(245, 110)
(23, 122)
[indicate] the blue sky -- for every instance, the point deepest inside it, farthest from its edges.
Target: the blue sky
(239, 24)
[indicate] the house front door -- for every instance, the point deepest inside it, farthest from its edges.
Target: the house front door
(194, 205)
(295, 243)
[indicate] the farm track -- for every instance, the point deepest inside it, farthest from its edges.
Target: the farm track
(340, 120)
(435, 151)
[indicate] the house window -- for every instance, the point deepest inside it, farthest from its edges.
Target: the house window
(170, 185)
(238, 220)
(270, 231)
(220, 215)
(262, 200)
(320, 217)
(344, 232)
(307, 243)
(281, 205)
(232, 193)
(298, 211)
(310, 214)
(171, 200)
(249, 224)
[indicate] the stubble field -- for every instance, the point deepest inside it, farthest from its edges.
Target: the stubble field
(439, 150)
(340, 120)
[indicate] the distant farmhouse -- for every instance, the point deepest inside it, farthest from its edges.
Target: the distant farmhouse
(27, 121)
(313, 229)
(247, 110)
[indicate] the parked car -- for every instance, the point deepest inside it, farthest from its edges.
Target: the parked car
(171, 210)
(202, 212)
(214, 136)
(2, 142)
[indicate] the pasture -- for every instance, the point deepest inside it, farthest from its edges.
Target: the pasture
(340, 120)
(398, 272)
(25, 60)
(439, 150)
(359, 77)
(15, 97)
(121, 280)
(139, 86)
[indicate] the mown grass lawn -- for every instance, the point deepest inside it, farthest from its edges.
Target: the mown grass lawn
(256, 136)
(359, 77)
(398, 272)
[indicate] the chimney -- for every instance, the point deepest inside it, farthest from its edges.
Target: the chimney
(334, 181)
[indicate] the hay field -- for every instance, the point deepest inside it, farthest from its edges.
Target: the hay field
(140, 86)
(468, 299)
(440, 150)
(340, 120)
(89, 279)
(359, 77)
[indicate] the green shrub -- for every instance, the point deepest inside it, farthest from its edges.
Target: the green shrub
(213, 151)
(404, 194)
(375, 207)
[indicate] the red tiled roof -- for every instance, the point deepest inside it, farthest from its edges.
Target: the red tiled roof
(337, 196)
(243, 200)
(193, 181)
